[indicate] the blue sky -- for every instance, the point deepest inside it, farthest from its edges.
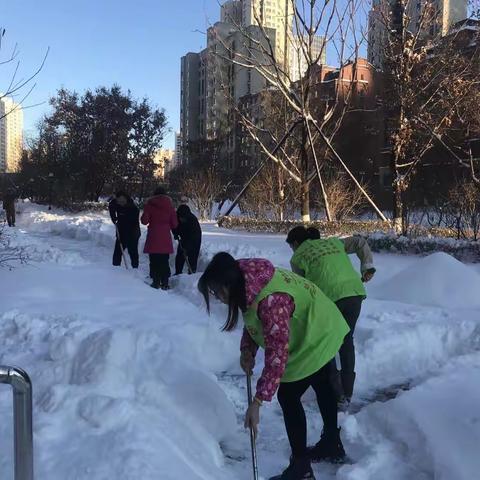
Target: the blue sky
(137, 44)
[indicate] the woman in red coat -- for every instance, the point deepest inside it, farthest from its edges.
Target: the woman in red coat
(161, 218)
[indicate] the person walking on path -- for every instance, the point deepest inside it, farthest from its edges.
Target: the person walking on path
(189, 235)
(161, 218)
(9, 207)
(325, 262)
(125, 216)
(301, 331)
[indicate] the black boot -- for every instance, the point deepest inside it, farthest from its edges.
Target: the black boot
(299, 469)
(328, 449)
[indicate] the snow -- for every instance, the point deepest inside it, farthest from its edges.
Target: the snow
(134, 383)
(451, 284)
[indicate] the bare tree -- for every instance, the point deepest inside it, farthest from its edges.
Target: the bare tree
(430, 81)
(462, 211)
(344, 199)
(17, 87)
(269, 196)
(203, 188)
(10, 255)
(306, 132)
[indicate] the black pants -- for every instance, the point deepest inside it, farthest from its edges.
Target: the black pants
(10, 212)
(159, 269)
(192, 252)
(129, 243)
(350, 308)
(289, 397)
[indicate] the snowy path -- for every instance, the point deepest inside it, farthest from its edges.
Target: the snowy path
(132, 383)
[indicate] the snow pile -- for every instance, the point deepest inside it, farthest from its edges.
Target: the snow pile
(437, 280)
(405, 345)
(432, 431)
(116, 402)
(37, 251)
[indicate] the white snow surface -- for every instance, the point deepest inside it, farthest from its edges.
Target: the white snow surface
(449, 283)
(133, 383)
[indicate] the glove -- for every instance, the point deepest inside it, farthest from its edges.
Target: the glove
(252, 417)
(368, 275)
(176, 237)
(247, 361)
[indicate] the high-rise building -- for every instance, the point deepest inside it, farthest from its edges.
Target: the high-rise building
(273, 14)
(163, 161)
(449, 12)
(11, 135)
(298, 59)
(231, 12)
(177, 157)
(189, 96)
(211, 84)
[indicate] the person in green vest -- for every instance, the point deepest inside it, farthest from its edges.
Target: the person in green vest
(301, 331)
(325, 262)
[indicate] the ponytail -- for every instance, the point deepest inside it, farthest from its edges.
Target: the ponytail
(300, 234)
(313, 233)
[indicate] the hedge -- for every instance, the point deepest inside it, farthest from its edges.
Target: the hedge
(380, 235)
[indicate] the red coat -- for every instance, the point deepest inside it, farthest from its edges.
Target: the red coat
(161, 217)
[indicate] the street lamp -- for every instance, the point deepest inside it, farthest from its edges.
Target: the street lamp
(50, 178)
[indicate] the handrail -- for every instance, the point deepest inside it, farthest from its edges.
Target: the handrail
(22, 419)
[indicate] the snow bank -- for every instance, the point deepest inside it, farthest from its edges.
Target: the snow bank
(38, 251)
(115, 402)
(404, 345)
(432, 431)
(438, 280)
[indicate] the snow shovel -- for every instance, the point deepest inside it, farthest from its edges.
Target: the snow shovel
(252, 434)
(121, 247)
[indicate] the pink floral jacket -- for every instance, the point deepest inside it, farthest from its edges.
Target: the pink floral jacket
(275, 312)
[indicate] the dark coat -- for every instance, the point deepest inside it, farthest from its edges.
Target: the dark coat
(126, 218)
(188, 229)
(9, 201)
(161, 218)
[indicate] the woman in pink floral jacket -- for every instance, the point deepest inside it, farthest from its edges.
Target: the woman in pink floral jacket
(282, 313)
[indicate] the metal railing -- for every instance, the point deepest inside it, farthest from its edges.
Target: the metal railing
(22, 419)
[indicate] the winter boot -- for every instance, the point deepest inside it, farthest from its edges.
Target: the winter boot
(299, 469)
(328, 449)
(155, 285)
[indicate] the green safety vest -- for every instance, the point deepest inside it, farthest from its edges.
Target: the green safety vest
(326, 264)
(317, 327)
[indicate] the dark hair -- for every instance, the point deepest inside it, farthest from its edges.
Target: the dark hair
(300, 234)
(160, 191)
(183, 211)
(122, 193)
(313, 233)
(297, 235)
(224, 272)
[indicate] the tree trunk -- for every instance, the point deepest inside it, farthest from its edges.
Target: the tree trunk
(281, 194)
(305, 205)
(397, 207)
(305, 195)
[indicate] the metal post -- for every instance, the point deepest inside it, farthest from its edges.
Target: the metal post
(22, 419)
(253, 443)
